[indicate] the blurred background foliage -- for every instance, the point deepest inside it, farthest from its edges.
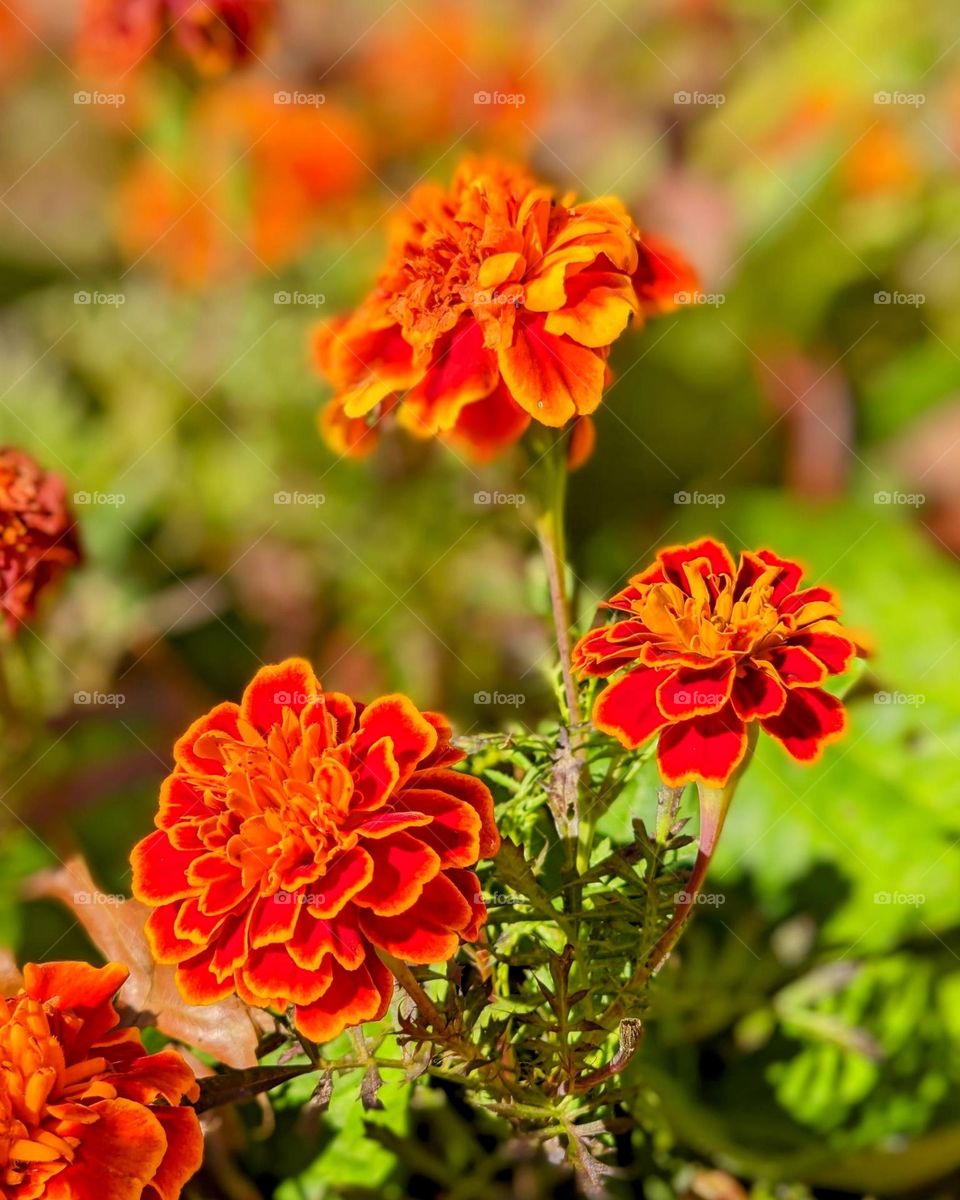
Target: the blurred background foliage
(162, 261)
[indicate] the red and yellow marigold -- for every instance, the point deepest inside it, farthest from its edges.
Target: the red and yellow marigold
(38, 537)
(300, 833)
(85, 1112)
(497, 306)
(704, 648)
(214, 35)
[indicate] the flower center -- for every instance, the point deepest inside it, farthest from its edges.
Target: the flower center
(712, 621)
(279, 811)
(39, 1093)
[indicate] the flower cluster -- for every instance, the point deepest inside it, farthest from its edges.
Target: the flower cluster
(299, 834)
(214, 35)
(497, 306)
(85, 1112)
(705, 647)
(38, 537)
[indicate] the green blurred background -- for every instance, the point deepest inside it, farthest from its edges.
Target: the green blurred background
(162, 260)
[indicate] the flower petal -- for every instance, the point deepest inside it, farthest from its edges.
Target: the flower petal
(552, 378)
(628, 708)
(810, 719)
(687, 693)
(708, 748)
(290, 684)
(351, 998)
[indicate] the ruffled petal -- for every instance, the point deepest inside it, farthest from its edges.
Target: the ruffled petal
(709, 748)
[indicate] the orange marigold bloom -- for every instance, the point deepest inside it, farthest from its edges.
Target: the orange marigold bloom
(244, 188)
(707, 647)
(38, 537)
(215, 35)
(498, 305)
(301, 832)
(85, 1112)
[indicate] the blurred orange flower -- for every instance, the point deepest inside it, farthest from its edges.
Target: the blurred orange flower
(706, 647)
(498, 305)
(38, 536)
(427, 75)
(301, 832)
(250, 180)
(214, 35)
(85, 1112)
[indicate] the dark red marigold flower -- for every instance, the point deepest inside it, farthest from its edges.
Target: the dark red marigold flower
(705, 648)
(85, 1112)
(497, 305)
(301, 832)
(38, 537)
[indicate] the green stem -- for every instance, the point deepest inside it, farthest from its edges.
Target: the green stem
(550, 530)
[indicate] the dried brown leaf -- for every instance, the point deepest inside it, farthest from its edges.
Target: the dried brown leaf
(227, 1030)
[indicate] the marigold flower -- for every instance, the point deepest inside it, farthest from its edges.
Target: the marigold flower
(215, 35)
(85, 1112)
(498, 305)
(705, 648)
(244, 188)
(38, 537)
(301, 832)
